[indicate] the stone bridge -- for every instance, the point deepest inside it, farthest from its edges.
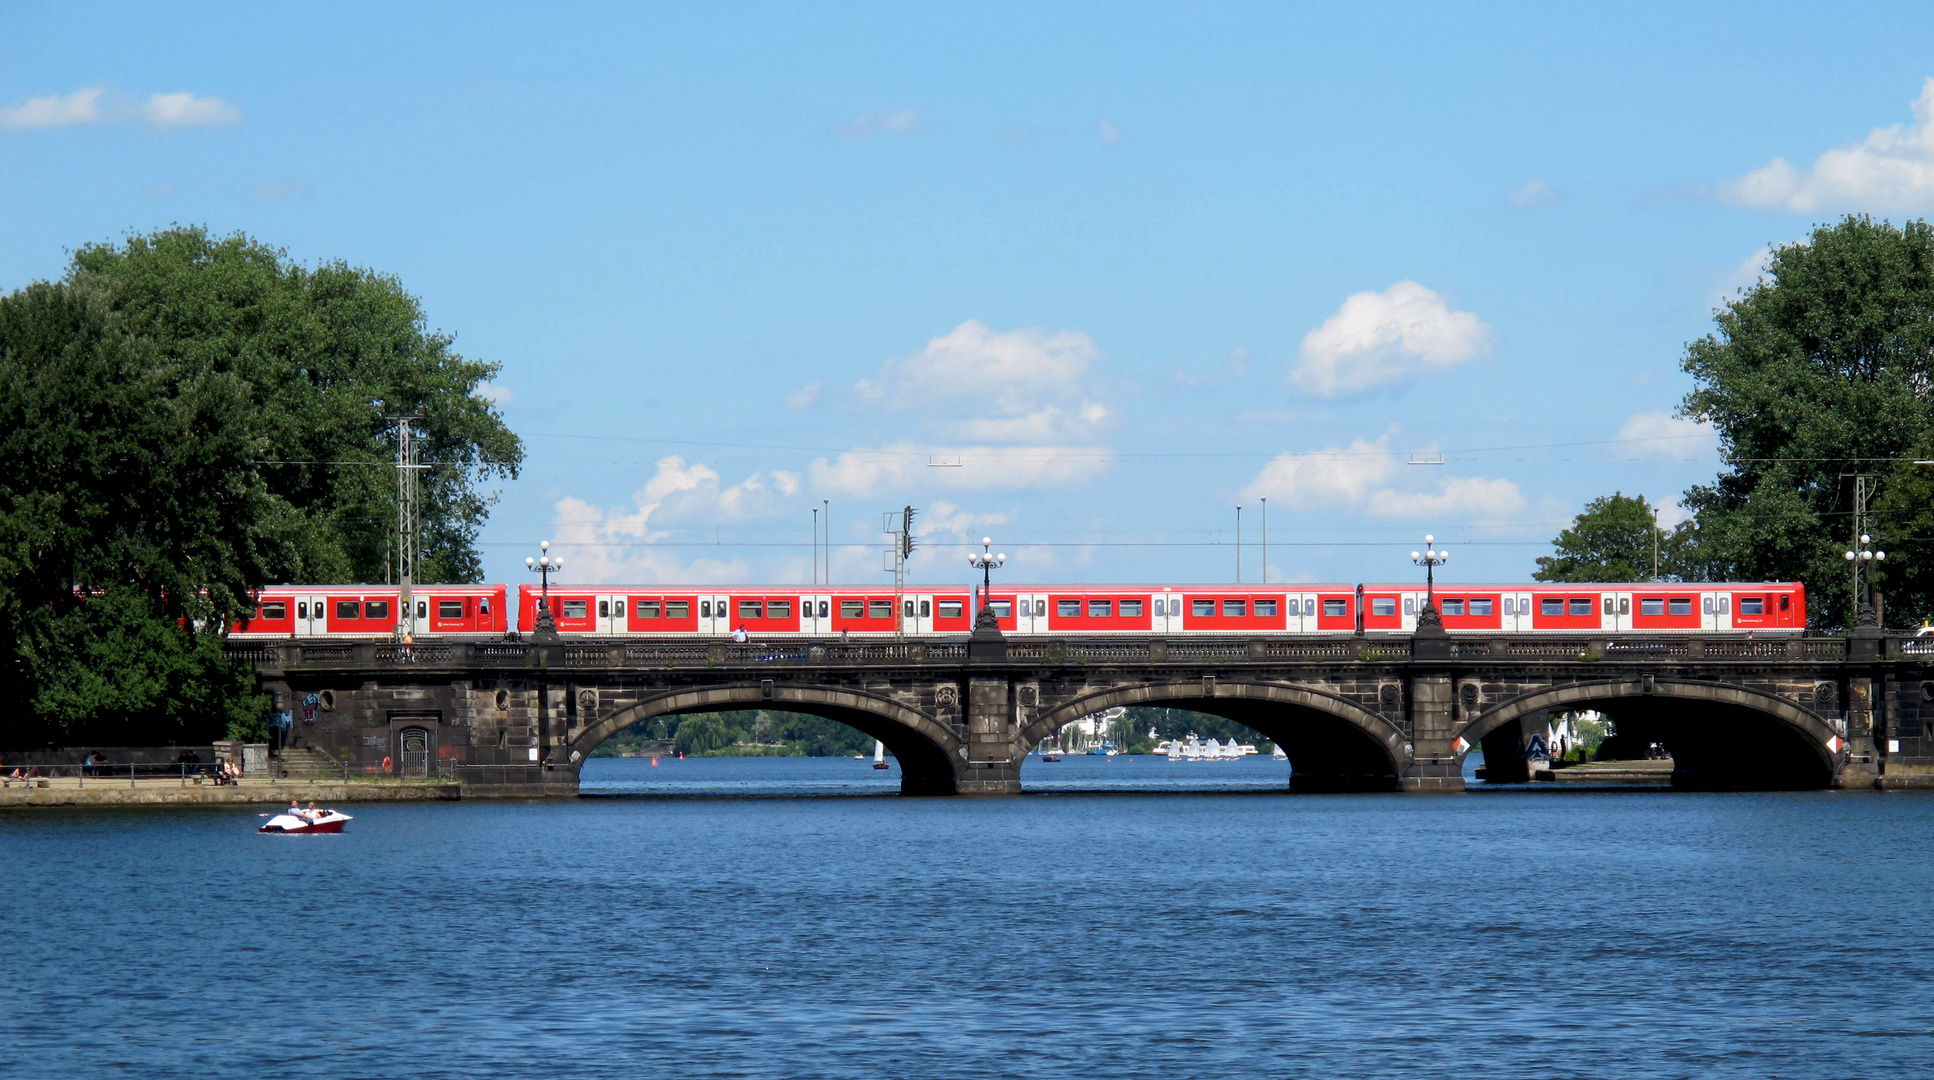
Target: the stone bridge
(517, 718)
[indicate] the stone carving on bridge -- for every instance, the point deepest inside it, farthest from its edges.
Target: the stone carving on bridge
(1824, 695)
(1470, 695)
(1389, 696)
(587, 702)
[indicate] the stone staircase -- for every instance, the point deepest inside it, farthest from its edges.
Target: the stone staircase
(303, 763)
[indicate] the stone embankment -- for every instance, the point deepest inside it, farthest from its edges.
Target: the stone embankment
(72, 791)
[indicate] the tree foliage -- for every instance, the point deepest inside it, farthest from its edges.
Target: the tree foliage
(1612, 540)
(1821, 371)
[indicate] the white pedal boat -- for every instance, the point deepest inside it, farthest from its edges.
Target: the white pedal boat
(318, 821)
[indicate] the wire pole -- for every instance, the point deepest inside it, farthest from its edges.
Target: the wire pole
(1265, 539)
(1238, 543)
(406, 506)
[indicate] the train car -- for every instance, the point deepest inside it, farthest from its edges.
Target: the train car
(369, 611)
(762, 611)
(1143, 610)
(1650, 607)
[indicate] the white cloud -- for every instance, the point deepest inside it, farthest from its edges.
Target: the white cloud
(100, 105)
(1892, 170)
(1379, 337)
(495, 394)
(1017, 386)
(803, 397)
(879, 122)
(1110, 132)
(1367, 478)
(905, 466)
(1670, 514)
(1533, 193)
(187, 110)
(1662, 435)
(80, 107)
(618, 544)
(1750, 272)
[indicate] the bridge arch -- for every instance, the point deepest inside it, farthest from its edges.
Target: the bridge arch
(924, 748)
(1333, 744)
(1720, 736)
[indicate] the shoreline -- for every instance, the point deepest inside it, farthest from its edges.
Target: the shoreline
(66, 792)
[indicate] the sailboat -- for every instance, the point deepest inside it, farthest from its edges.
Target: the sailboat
(1276, 752)
(879, 754)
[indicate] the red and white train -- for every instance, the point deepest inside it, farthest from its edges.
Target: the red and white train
(797, 611)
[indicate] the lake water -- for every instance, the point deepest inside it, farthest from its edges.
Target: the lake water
(853, 933)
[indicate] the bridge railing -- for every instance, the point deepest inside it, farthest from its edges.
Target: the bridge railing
(618, 654)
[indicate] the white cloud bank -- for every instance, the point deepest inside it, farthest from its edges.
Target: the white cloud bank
(1661, 435)
(1367, 478)
(99, 105)
(1892, 170)
(879, 122)
(1533, 194)
(1379, 337)
(616, 544)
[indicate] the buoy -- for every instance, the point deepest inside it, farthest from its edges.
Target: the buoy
(681, 755)
(386, 766)
(654, 762)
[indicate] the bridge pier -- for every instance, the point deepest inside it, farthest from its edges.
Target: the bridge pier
(1434, 763)
(990, 761)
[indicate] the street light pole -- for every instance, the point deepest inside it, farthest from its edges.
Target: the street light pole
(986, 561)
(544, 566)
(1430, 559)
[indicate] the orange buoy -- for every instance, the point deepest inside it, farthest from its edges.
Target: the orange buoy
(386, 766)
(654, 762)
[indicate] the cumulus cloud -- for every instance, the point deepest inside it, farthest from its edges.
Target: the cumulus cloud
(1367, 478)
(495, 394)
(1532, 194)
(1750, 272)
(1110, 131)
(100, 105)
(879, 122)
(803, 397)
(615, 544)
(1378, 337)
(1013, 386)
(1892, 170)
(1662, 435)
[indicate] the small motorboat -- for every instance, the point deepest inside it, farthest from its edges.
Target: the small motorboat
(306, 821)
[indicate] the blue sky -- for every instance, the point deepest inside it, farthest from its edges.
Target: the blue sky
(1082, 278)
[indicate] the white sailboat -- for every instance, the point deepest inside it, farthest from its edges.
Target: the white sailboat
(879, 754)
(1276, 752)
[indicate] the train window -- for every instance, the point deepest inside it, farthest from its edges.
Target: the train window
(1067, 609)
(422, 609)
(1453, 607)
(1336, 608)
(1706, 606)
(1410, 605)
(1608, 605)
(483, 606)
(926, 609)
(1234, 609)
(349, 609)
(1264, 608)
(577, 609)
(852, 609)
(449, 609)
(647, 609)
(879, 609)
(604, 609)
(678, 609)
(1200, 608)
(1679, 605)
(1551, 605)
(779, 609)
(1752, 605)
(1651, 605)
(1480, 605)
(1101, 609)
(1786, 603)
(1040, 609)
(1001, 608)
(822, 609)
(1383, 605)
(704, 609)
(275, 609)
(1581, 606)
(751, 609)
(1131, 609)
(302, 610)
(376, 609)
(618, 609)
(951, 609)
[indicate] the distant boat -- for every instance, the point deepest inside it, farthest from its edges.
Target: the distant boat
(1277, 753)
(879, 754)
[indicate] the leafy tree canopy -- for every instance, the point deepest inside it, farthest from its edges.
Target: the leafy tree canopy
(1612, 540)
(1822, 370)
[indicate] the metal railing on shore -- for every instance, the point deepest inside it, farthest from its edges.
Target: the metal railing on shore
(137, 775)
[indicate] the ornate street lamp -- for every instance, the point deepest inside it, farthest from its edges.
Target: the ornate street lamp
(1864, 556)
(1430, 559)
(545, 566)
(986, 561)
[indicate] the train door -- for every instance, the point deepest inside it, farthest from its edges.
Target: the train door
(311, 620)
(1158, 613)
(714, 616)
(610, 615)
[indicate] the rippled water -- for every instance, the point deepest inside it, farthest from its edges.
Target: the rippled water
(1176, 935)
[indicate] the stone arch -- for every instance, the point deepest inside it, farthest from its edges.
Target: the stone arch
(924, 748)
(1777, 742)
(1334, 744)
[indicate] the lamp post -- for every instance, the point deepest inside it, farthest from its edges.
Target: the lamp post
(986, 561)
(544, 566)
(1430, 559)
(1864, 555)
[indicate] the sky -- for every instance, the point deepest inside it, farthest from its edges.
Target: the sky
(1080, 278)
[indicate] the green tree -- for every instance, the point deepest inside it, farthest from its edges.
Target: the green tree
(329, 356)
(1612, 540)
(130, 510)
(1821, 371)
